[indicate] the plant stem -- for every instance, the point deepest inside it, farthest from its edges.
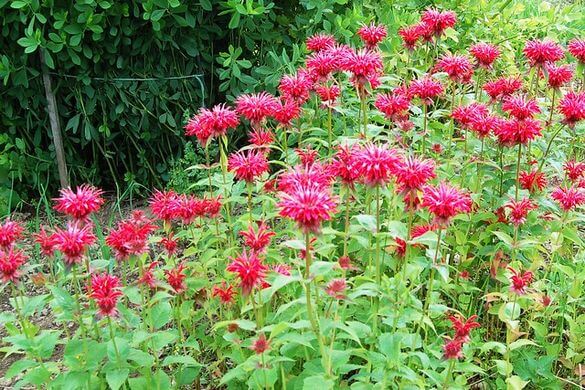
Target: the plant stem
(549, 146)
(223, 160)
(449, 373)
(113, 338)
(77, 298)
(424, 137)
(518, 171)
(479, 166)
(207, 161)
(508, 371)
(431, 279)
(330, 126)
(452, 127)
(347, 207)
(249, 186)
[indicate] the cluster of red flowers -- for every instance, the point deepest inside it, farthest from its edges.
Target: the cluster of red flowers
(208, 124)
(11, 258)
(452, 349)
(105, 290)
(432, 24)
(130, 237)
(169, 206)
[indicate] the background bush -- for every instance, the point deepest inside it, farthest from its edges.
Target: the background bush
(126, 72)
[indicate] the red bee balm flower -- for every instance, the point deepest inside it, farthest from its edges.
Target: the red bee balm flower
(296, 87)
(10, 231)
(345, 165)
(515, 132)
(336, 288)
(574, 170)
(320, 42)
(176, 278)
(365, 66)
(212, 123)
(260, 345)
(572, 106)
(130, 236)
(463, 326)
(261, 138)
(308, 205)
(483, 125)
(79, 204)
(485, 54)
(520, 107)
(376, 163)
(259, 239)
(465, 114)
(519, 210)
(328, 94)
(410, 35)
(165, 205)
(569, 197)
(224, 292)
(502, 87)
(46, 242)
(372, 35)
(558, 75)
(532, 181)
(457, 67)
(256, 107)
(452, 349)
(540, 52)
(520, 281)
(170, 244)
(322, 63)
(413, 173)
(577, 49)
(148, 278)
(286, 111)
(445, 202)
(105, 290)
(73, 242)
(250, 270)
(437, 21)
(10, 262)
(426, 89)
(248, 165)
(394, 106)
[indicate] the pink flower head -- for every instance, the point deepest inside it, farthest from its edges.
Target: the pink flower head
(189, 208)
(176, 278)
(485, 54)
(520, 281)
(346, 164)
(260, 345)
(212, 123)
(569, 197)
(224, 292)
(572, 106)
(286, 112)
(413, 173)
(574, 170)
(437, 21)
(73, 241)
(376, 164)
(515, 132)
(520, 107)
(261, 138)
(319, 42)
(250, 270)
(410, 35)
(130, 237)
(394, 106)
(532, 181)
(539, 52)
(308, 205)
(248, 164)
(502, 87)
(452, 349)
(170, 243)
(303, 175)
(257, 106)
(148, 279)
(257, 239)
(372, 35)
(483, 125)
(445, 202)
(307, 155)
(328, 94)
(463, 327)
(577, 49)
(105, 290)
(365, 66)
(558, 75)
(10, 231)
(519, 210)
(296, 87)
(457, 67)
(165, 205)
(464, 115)
(212, 206)
(426, 89)
(281, 269)
(322, 63)
(46, 242)
(10, 262)
(336, 288)
(79, 204)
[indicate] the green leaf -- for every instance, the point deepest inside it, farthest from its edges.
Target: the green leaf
(18, 4)
(516, 383)
(367, 221)
(521, 343)
(117, 378)
(318, 382)
(181, 359)
(161, 314)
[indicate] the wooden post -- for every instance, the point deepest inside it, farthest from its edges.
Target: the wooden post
(55, 124)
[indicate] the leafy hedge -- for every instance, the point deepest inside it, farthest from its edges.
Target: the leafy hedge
(111, 62)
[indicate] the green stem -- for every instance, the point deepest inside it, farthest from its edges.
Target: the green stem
(113, 338)
(424, 137)
(518, 170)
(431, 280)
(549, 146)
(347, 207)
(452, 127)
(207, 161)
(449, 373)
(249, 186)
(330, 127)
